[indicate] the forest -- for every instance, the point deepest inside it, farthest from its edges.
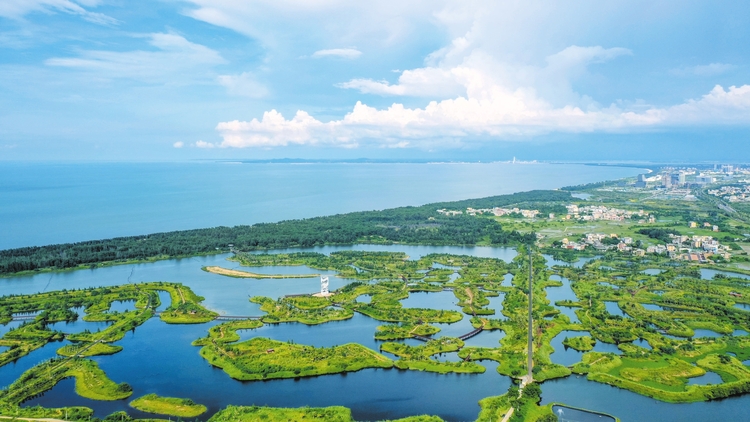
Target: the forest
(414, 225)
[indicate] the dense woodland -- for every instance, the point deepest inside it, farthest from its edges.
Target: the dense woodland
(416, 225)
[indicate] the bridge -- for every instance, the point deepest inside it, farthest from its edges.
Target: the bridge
(235, 317)
(471, 334)
(466, 336)
(24, 317)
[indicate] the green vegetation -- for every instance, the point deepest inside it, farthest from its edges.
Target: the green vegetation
(260, 358)
(668, 327)
(418, 357)
(56, 306)
(402, 331)
(91, 382)
(84, 350)
(582, 344)
(286, 310)
(416, 225)
(183, 408)
(277, 414)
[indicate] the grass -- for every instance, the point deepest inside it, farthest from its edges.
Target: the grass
(402, 331)
(418, 357)
(260, 358)
(182, 408)
(278, 414)
(84, 350)
(582, 343)
(281, 414)
(305, 311)
(93, 383)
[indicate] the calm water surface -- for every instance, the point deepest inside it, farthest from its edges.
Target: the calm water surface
(55, 203)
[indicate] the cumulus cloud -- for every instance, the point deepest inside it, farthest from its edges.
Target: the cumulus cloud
(509, 70)
(498, 114)
(243, 85)
(342, 53)
(175, 57)
(17, 9)
(178, 144)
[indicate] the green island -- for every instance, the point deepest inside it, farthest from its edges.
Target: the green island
(277, 414)
(182, 408)
(418, 357)
(261, 359)
(582, 343)
(661, 282)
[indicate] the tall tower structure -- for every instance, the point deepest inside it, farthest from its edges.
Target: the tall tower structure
(324, 285)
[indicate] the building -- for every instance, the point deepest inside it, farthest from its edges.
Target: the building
(702, 179)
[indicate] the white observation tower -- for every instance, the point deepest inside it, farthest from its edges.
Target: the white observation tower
(324, 286)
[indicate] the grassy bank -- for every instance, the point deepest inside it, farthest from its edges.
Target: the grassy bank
(182, 408)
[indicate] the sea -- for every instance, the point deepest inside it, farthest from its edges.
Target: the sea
(47, 203)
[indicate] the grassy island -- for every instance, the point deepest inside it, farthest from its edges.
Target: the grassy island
(182, 408)
(290, 310)
(404, 330)
(582, 343)
(418, 357)
(280, 414)
(84, 350)
(260, 358)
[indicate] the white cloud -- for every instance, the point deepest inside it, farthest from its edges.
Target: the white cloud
(175, 58)
(243, 85)
(17, 9)
(204, 144)
(509, 70)
(423, 82)
(178, 144)
(343, 53)
(712, 69)
(719, 106)
(498, 114)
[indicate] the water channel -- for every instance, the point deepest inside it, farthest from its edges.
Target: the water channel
(159, 358)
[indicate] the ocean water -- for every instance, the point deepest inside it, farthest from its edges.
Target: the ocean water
(42, 203)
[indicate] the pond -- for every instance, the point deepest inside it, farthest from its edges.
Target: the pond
(653, 271)
(708, 274)
(577, 264)
(568, 356)
(707, 378)
(577, 391)
(122, 306)
(614, 309)
(507, 280)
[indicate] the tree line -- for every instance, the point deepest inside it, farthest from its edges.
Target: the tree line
(414, 225)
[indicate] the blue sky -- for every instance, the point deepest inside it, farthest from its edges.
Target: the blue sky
(475, 80)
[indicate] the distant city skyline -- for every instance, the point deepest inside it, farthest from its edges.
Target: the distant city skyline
(663, 81)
